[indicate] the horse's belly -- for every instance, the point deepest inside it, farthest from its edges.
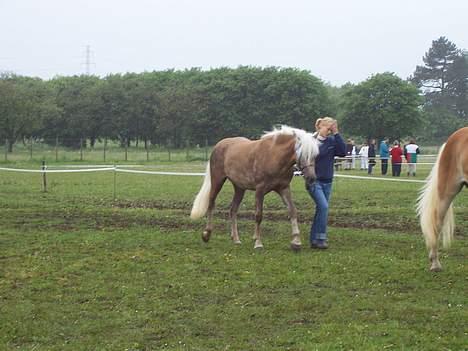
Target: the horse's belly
(242, 181)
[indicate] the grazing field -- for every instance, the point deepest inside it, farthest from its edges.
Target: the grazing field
(80, 270)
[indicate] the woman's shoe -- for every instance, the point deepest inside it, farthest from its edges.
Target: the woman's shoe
(319, 244)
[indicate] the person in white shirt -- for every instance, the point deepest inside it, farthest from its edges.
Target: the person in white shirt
(411, 151)
(364, 153)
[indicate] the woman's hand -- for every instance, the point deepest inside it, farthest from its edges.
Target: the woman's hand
(334, 128)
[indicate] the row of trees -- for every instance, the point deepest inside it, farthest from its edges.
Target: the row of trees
(177, 108)
(170, 107)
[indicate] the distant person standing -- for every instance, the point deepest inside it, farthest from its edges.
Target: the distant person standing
(349, 152)
(364, 153)
(353, 155)
(384, 154)
(396, 152)
(371, 154)
(412, 152)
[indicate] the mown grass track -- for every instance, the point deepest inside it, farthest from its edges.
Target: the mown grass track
(79, 271)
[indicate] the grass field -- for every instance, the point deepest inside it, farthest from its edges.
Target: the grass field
(82, 271)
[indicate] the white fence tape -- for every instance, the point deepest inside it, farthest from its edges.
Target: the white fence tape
(56, 170)
(159, 173)
(117, 169)
(381, 178)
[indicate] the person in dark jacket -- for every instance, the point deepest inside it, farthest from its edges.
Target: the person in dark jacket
(331, 145)
(371, 155)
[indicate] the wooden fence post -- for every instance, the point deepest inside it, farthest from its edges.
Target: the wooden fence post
(105, 147)
(81, 149)
(56, 148)
(126, 149)
(44, 177)
(30, 148)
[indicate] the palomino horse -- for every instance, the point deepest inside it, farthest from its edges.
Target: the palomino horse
(262, 165)
(445, 181)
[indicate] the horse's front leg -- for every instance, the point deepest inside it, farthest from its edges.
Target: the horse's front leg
(259, 196)
(434, 258)
(287, 199)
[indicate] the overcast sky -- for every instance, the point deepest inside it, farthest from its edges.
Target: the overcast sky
(336, 40)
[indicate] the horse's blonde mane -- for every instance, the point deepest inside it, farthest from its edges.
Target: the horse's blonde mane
(306, 144)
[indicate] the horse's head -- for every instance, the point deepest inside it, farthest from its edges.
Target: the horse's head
(306, 151)
(308, 171)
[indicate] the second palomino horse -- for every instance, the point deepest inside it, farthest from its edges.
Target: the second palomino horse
(446, 180)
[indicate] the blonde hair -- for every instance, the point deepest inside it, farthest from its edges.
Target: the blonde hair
(327, 120)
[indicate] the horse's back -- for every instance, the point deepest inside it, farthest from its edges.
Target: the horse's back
(248, 163)
(460, 138)
(230, 146)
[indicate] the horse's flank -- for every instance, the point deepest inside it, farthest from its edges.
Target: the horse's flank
(247, 163)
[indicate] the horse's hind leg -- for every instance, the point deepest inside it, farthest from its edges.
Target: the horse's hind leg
(443, 210)
(216, 185)
(287, 199)
(259, 196)
(236, 200)
(440, 212)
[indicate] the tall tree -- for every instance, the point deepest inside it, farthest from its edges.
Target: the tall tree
(443, 80)
(434, 75)
(383, 105)
(458, 86)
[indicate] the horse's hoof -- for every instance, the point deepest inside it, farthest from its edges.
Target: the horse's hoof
(237, 242)
(436, 268)
(205, 236)
(296, 247)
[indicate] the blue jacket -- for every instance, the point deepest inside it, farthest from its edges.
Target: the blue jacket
(384, 153)
(333, 146)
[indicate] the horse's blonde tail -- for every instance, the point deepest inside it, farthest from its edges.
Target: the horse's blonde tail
(200, 205)
(428, 208)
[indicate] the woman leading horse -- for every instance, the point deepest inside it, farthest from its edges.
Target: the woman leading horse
(263, 166)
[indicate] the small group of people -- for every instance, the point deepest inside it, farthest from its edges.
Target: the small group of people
(332, 146)
(396, 154)
(367, 155)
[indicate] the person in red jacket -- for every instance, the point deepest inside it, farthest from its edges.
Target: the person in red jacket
(396, 152)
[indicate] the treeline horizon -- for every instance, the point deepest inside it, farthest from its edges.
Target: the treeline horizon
(178, 108)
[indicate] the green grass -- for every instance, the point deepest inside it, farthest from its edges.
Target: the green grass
(80, 271)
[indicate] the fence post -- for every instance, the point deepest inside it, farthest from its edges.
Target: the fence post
(56, 148)
(187, 156)
(126, 149)
(115, 182)
(105, 147)
(44, 176)
(30, 148)
(147, 150)
(6, 149)
(81, 149)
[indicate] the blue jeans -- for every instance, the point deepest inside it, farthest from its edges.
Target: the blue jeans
(320, 193)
